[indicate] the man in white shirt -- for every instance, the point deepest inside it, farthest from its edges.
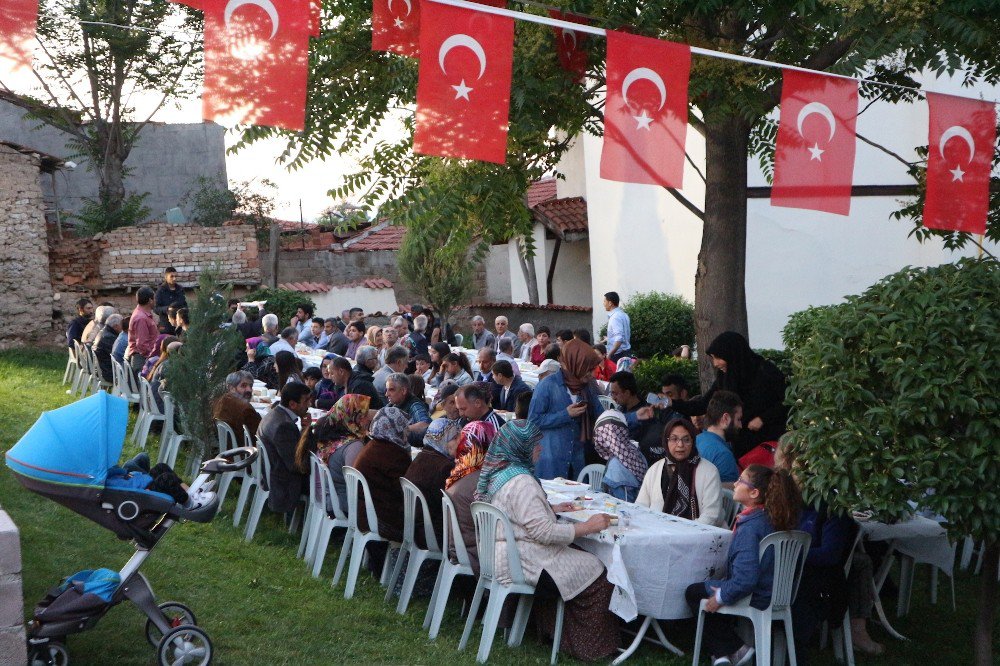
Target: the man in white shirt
(507, 354)
(289, 337)
(526, 336)
(619, 328)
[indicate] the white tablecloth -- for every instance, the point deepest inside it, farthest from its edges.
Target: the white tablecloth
(659, 555)
(920, 538)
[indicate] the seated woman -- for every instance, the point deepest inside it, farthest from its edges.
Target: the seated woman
(382, 462)
(507, 480)
(339, 435)
(437, 352)
(683, 484)
(626, 465)
(430, 469)
(473, 443)
(161, 348)
(286, 365)
(772, 502)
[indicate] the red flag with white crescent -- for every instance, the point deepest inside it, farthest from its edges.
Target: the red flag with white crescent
(396, 26)
(961, 140)
(569, 45)
(18, 20)
(645, 115)
(256, 61)
(463, 87)
(814, 156)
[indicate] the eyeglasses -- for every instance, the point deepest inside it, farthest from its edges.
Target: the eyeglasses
(680, 440)
(746, 483)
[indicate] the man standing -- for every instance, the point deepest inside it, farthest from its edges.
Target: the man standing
(142, 331)
(396, 360)
(167, 294)
(84, 313)
(397, 390)
(619, 328)
(723, 419)
(234, 406)
(510, 385)
(480, 336)
(473, 402)
(346, 380)
(279, 432)
(504, 333)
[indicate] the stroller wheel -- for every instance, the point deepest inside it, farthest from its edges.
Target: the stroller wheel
(177, 614)
(185, 644)
(50, 654)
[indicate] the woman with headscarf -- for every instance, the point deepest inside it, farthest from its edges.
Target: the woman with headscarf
(507, 481)
(683, 483)
(382, 462)
(430, 469)
(626, 466)
(564, 406)
(757, 381)
(338, 437)
(473, 442)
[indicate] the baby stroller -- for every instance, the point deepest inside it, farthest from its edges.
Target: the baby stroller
(65, 456)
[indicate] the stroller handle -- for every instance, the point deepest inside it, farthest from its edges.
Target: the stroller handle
(232, 460)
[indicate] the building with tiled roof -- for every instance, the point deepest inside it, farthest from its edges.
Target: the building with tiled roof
(382, 236)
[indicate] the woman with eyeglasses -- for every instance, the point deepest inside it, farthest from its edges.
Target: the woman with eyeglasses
(772, 502)
(683, 483)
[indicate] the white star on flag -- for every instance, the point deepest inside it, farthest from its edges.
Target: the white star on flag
(462, 90)
(642, 121)
(399, 23)
(817, 153)
(957, 174)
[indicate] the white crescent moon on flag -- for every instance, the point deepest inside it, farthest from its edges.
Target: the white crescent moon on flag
(649, 75)
(409, 6)
(266, 5)
(569, 35)
(467, 42)
(960, 132)
(821, 109)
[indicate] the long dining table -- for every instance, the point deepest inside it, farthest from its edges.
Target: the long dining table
(651, 557)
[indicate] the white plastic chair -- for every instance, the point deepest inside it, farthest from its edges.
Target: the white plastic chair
(459, 340)
(789, 559)
(251, 479)
(313, 499)
(607, 402)
(594, 475)
(149, 413)
(358, 538)
(127, 381)
(171, 438)
(414, 555)
(262, 472)
(450, 530)
(82, 384)
(324, 527)
(488, 520)
(730, 507)
(843, 644)
(72, 367)
(227, 441)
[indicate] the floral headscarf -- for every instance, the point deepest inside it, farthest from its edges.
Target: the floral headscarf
(509, 456)
(611, 440)
(343, 424)
(390, 425)
(439, 433)
(473, 443)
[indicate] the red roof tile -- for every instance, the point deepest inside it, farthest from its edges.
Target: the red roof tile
(306, 287)
(287, 226)
(563, 216)
(368, 283)
(529, 306)
(541, 190)
(387, 237)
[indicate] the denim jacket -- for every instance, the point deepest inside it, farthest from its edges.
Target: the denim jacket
(747, 573)
(561, 445)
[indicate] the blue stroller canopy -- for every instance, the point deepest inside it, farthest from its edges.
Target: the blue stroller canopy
(73, 445)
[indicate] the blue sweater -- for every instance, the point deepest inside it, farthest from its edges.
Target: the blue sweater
(748, 575)
(714, 449)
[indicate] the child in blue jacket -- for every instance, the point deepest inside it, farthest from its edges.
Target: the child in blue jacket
(772, 503)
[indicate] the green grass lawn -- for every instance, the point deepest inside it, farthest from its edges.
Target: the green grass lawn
(260, 606)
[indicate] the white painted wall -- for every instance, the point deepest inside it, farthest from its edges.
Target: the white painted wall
(498, 271)
(331, 303)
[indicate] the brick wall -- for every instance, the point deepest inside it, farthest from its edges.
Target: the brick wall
(25, 288)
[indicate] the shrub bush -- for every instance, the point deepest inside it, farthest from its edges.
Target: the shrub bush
(650, 371)
(660, 323)
(281, 302)
(780, 357)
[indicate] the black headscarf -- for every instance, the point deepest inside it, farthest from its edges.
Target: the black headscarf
(742, 362)
(679, 497)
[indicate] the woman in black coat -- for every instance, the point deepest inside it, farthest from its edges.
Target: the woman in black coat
(758, 382)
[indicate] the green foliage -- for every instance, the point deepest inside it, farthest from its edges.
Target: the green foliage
(650, 371)
(281, 302)
(660, 323)
(250, 201)
(195, 374)
(894, 398)
(99, 215)
(342, 217)
(436, 265)
(780, 357)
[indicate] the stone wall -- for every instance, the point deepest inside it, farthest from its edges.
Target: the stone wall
(25, 288)
(556, 317)
(13, 643)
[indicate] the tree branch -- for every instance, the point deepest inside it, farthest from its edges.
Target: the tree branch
(885, 150)
(684, 201)
(824, 57)
(695, 167)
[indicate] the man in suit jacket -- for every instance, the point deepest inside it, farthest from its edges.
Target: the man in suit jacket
(510, 385)
(486, 358)
(234, 406)
(279, 432)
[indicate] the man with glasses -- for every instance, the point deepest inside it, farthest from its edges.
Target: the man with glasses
(397, 391)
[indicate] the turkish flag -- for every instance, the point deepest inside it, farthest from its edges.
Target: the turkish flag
(645, 114)
(814, 156)
(396, 26)
(17, 35)
(569, 45)
(463, 86)
(256, 61)
(961, 141)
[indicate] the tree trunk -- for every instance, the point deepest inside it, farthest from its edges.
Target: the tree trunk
(983, 641)
(112, 181)
(274, 242)
(720, 294)
(528, 270)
